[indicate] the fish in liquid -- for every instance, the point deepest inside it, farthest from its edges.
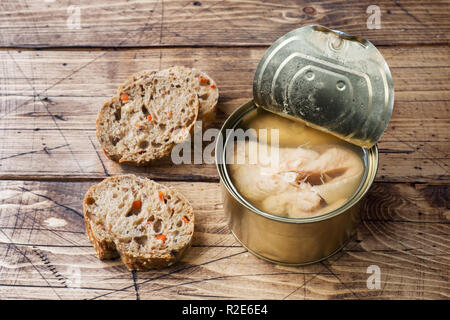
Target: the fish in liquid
(314, 172)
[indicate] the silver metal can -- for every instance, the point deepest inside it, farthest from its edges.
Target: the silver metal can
(333, 82)
(288, 240)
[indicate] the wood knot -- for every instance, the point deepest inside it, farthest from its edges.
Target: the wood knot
(309, 10)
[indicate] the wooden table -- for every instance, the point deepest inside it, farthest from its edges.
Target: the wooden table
(54, 77)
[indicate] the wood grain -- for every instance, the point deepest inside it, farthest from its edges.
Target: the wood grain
(54, 78)
(212, 22)
(405, 231)
(49, 101)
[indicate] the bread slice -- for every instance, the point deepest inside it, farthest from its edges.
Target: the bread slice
(146, 119)
(194, 79)
(147, 224)
(202, 84)
(135, 77)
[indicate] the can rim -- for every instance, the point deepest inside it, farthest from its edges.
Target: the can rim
(389, 98)
(220, 155)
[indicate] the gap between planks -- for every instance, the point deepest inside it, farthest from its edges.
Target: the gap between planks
(189, 46)
(192, 179)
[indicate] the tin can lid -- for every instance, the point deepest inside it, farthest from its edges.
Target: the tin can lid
(330, 80)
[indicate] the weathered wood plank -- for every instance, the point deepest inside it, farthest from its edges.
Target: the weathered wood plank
(49, 101)
(78, 155)
(211, 22)
(46, 254)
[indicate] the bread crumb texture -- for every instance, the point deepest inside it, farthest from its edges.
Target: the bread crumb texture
(202, 84)
(145, 223)
(146, 119)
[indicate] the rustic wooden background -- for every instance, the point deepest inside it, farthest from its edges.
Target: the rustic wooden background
(53, 80)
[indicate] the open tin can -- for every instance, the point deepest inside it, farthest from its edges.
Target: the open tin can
(330, 81)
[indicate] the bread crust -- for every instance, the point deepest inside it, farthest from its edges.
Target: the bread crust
(112, 242)
(207, 105)
(135, 77)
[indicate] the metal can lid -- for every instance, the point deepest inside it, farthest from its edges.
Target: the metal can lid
(330, 80)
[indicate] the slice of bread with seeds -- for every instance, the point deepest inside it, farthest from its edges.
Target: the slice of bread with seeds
(203, 85)
(147, 224)
(146, 119)
(194, 79)
(135, 77)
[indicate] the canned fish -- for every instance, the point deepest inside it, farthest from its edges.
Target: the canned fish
(282, 238)
(329, 95)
